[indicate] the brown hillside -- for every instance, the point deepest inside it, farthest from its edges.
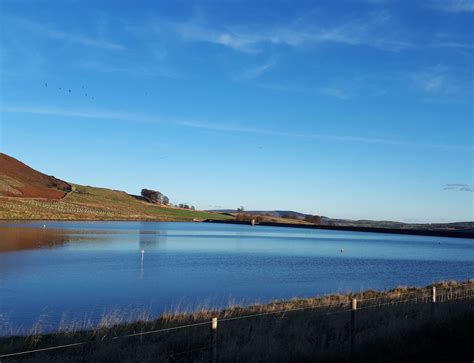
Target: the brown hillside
(19, 180)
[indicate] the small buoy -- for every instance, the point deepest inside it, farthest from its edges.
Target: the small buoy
(342, 250)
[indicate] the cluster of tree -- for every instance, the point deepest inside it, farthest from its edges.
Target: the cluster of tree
(313, 219)
(154, 196)
(240, 209)
(185, 206)
(245, 217)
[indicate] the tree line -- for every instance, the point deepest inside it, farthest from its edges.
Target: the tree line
(156, 197)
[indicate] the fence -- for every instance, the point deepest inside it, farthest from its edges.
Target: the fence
(433, 296)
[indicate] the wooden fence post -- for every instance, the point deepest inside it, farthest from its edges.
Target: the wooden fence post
(353, 322)
(214, 339)
(433, 300)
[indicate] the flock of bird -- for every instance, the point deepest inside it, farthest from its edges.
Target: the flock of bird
(69, 90)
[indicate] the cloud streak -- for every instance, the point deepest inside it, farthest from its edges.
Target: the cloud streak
(335, 92)
(136, 70)
(256, 72)
(452, 6)
(436, 81)
(372, 30)
(459, 187)
(55, 34)
(226, 128)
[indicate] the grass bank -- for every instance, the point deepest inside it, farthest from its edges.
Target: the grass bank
(387, 329)
(90, 203)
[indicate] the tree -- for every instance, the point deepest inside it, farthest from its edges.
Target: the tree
(166, 200)
(241, 209)
(153, 196)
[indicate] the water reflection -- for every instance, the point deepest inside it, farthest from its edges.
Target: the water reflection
(151, 239)
(18, 239)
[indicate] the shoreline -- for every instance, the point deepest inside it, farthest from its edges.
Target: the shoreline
(416, 232)
(322, 324)
(332, 300)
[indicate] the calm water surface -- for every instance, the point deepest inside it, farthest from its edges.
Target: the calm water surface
(80, 270)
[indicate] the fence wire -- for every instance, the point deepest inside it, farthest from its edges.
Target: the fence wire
(446, 295)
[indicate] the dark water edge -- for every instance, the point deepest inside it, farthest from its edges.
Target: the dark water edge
(415, 232)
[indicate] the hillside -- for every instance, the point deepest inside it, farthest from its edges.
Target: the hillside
(28, 194)
(19, 180)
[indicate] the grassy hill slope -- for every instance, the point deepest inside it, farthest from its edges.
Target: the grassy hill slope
(29, 194)
(96, 204)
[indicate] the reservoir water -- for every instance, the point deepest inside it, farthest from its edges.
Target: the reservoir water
(77, 271)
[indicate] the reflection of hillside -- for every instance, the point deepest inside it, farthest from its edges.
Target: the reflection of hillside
(151, 239)
(16, 239)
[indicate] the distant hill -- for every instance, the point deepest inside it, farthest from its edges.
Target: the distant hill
(326, 221)
(29, 194)
(19, 180)
(269, 213)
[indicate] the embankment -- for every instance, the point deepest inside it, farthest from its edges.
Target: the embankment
(402, 324)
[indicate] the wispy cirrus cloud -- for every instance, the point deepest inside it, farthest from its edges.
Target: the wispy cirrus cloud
(451, 6)
(255, 72)
(372, 30)
(53, 33)
(104, 114)
(313, 136)
(462, 187)
(133, 70)
(436, 80)
(239, 41)
(352, 87)
(99, 114)
(334, 92)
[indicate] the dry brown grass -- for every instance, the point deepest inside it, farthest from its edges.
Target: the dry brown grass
(291, 330)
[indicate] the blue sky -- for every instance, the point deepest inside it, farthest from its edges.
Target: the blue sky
(349, 109)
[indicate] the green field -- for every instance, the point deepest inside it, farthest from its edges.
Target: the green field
(89, 203)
